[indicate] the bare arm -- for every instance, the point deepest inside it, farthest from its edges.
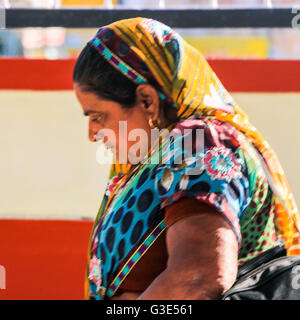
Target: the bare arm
(202, 260)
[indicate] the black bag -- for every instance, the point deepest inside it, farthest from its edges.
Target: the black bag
(270, 276)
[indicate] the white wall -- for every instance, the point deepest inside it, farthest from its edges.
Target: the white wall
(48, 167)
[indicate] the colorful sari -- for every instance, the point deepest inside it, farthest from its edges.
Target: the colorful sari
(238, 171)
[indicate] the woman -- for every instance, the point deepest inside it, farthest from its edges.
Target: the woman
(171, 229)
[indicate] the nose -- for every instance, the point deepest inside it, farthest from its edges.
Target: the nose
(92, 131)
(91, 136)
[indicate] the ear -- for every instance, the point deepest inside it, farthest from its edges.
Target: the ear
(148, 99)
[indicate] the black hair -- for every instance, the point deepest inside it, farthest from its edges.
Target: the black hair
(96, 75)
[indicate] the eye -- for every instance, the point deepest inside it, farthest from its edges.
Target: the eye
(96, 118)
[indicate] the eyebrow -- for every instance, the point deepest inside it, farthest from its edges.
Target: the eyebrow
(87, 112)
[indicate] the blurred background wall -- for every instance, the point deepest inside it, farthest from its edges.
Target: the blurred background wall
(48, 166)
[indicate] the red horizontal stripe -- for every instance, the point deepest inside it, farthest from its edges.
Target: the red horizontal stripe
(36, 74)
(237, 75)
(266, 75)
(44, 259)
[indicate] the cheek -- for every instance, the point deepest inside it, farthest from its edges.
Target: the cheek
(130, 122)
(137, 120)
(139, 131)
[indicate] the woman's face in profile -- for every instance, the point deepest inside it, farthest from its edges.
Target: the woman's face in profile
(105, 116)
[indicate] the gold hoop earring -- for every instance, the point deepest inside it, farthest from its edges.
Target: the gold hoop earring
(151, 125)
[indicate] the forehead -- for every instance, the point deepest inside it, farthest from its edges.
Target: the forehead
(86, 99)
(91, 103)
